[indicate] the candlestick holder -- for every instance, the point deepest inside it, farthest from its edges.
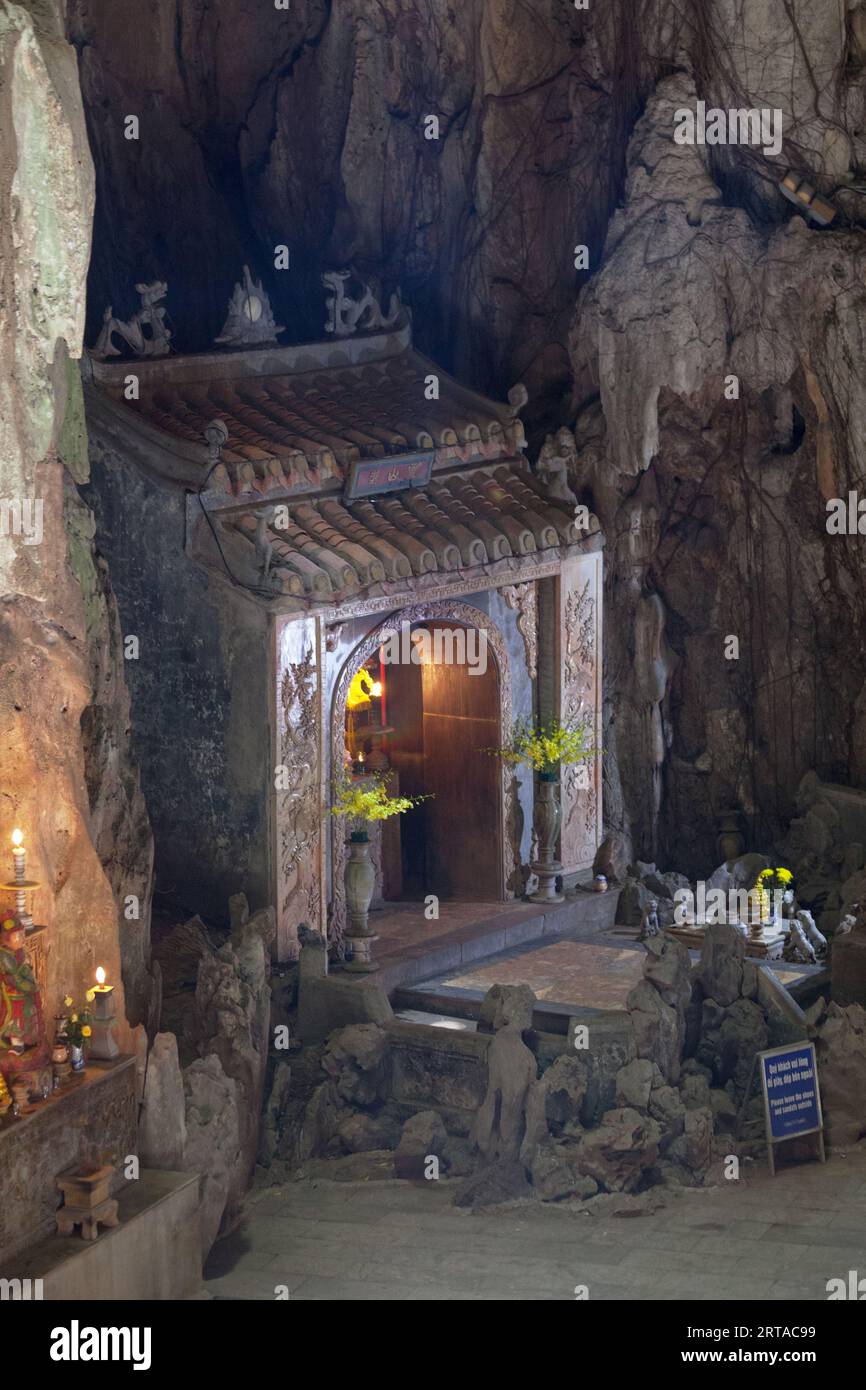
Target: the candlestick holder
(103, 1047)
(21, 886)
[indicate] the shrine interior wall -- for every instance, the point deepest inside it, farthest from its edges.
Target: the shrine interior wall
(200, 695)
(491, 602)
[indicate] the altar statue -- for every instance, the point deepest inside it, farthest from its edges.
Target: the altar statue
(23, 1043)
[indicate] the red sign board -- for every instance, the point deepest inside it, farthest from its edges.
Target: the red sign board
(370, 476)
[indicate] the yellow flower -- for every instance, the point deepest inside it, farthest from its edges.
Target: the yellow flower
(73, 1018)
(85, 1032)
(67, 1003)
(90, 996)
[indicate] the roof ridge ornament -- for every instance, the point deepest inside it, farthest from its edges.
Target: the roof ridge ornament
(346, 315)
(154, 343)
(250, 320)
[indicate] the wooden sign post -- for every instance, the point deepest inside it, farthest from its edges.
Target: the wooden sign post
(792, 1099)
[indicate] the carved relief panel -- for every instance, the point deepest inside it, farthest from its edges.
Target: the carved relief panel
(579, 644)
(298, 792)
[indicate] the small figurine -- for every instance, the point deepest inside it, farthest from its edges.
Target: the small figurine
(811, 933)
(552, 467)
(649, 922)
(146, 332)
(250, 321)
(347, 315)
(797, 947)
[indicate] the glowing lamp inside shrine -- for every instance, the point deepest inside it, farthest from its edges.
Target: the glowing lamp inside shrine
(376, 690)
(17, 838)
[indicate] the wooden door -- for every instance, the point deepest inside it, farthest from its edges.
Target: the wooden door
(463, 820)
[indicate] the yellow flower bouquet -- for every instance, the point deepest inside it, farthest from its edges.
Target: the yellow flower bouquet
(368, 802)
(548, 747)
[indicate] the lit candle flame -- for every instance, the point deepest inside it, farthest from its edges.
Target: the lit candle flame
(100, 975)
(17, 837)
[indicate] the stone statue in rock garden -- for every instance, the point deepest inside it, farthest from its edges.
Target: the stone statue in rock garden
(816, 940)
(798, 948)
(500, 1123)
(649, 922)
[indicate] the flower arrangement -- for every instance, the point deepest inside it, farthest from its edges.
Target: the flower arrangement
(548, 747)
(363, 804)
(78, 1028)
(775, 880)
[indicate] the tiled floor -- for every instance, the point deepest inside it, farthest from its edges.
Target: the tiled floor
(591, 974)
(755, 1239)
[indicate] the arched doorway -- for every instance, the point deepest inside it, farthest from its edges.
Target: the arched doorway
(444, 719)
(482, 802)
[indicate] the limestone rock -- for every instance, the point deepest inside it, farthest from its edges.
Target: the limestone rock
(423, 1134)
(162, 1131)
(694, 1147)
(668, 968)
(722, 959)
(658, 1029)
(724, 1110)
(356, 1059)
(618, 1151)
(612, 857)
(361, 1133)
(494, 1183)
(634, 1082)
(666, 1106)
(695, 1091)
(213, 1143)
(841, 1053)
(275, 1107)
(555, 1173)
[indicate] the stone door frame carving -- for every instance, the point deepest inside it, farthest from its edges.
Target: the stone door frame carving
(468, 616)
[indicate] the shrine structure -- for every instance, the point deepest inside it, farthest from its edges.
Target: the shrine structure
(270, 515)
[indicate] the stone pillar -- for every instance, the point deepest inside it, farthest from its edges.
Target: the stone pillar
(298, 849)
(577, 631)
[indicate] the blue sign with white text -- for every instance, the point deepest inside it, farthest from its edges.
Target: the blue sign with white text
(790, 1079)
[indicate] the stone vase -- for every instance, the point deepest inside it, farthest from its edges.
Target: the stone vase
(360, 879)
(730, 843)
(546, 820)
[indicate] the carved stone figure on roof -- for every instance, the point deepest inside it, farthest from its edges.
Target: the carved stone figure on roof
(145, 333)
(250, 321)
(347, 314)
(552, 467)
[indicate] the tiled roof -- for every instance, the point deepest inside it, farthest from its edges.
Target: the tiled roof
(332, 549)
(295, 426)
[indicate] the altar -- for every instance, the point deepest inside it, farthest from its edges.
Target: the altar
(764, 940)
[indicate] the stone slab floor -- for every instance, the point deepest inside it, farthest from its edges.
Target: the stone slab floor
(757, 1238)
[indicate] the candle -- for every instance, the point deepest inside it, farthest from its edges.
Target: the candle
(102, 996)
(19, 855)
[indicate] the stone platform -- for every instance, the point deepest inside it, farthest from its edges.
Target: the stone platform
(411, 948)
(154, 1253)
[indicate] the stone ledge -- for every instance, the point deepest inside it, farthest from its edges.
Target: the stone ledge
(154, 1254)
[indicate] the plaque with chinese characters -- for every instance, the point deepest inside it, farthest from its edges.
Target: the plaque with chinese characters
(370, 476)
